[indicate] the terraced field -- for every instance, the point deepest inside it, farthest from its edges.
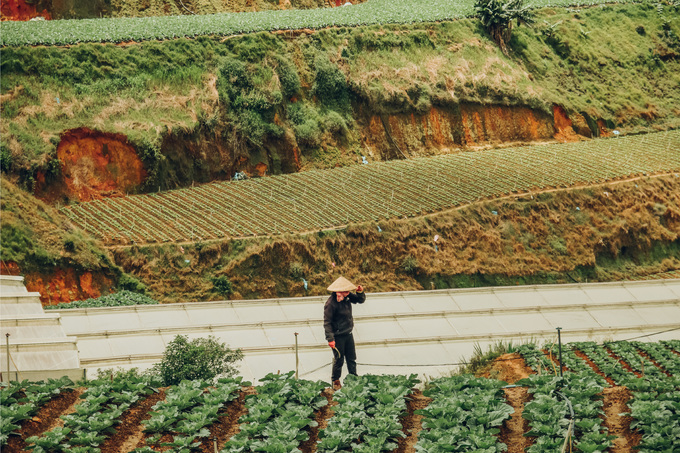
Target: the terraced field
(170, 27)
(317, 200)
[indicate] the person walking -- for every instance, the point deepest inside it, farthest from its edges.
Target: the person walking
(338, 323)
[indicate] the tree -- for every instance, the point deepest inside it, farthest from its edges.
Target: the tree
(198, 359)
(497, 17)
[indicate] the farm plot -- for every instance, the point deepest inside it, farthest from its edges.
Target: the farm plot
(370, 414)
(307, 202)
(63, 32)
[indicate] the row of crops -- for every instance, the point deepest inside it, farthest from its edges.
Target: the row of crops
(65, 32)
(306, 202)
(459, 414)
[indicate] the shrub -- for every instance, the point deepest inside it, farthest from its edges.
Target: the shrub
(410, 265)
(296, 270)
(222, 285)
(497, 17)
(198, 359)
(5, 159)
(330, 84)
(288, 77)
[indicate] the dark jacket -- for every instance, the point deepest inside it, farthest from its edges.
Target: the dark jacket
(337, 316)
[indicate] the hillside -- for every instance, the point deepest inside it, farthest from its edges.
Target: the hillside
(93, 121)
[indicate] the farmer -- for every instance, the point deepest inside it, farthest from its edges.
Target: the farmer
(338, 324)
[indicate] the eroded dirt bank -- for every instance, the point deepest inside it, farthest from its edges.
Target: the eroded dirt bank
(96, 165)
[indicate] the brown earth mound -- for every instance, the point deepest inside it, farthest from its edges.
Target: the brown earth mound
(94, 165)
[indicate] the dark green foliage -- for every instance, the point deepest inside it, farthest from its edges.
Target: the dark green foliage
(130, 283)
(330, 84)
(497, 17)
(222, 285)
(410, 265)
(251, 103)
(16, 242)
(5, 159)
(199, 359)
(119, 299)
(288, 77)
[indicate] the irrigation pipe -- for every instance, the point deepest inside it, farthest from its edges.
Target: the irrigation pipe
(570, 430)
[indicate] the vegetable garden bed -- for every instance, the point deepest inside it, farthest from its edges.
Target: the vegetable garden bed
(373, 413)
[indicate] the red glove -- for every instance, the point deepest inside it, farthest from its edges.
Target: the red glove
(332, 344)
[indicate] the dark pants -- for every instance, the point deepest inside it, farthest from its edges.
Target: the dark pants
(345, 345)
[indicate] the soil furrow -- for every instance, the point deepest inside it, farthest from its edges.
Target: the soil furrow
(322, 416)
(129, 430)
(47, 418)
(412, 423)
(615, 403)
(228, 425)
(623, 363)
(513, 430)
(591, 364)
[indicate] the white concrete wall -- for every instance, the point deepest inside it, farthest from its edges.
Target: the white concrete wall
(425, 332)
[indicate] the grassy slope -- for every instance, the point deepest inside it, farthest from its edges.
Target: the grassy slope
(618, 63)
(36, 237)
(622, 231)
(627, 75)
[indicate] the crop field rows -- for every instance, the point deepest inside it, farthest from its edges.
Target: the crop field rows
(313, 200)
(63, 32)
(373, 413)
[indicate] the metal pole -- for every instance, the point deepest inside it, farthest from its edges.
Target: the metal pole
(215, 443)
(559, 342)
(7, 342)
(297, 357)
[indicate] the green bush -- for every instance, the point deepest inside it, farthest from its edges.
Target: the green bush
(222, 285)
(5, 159)
(497, 17)
(296, 270)
(288, 77)
(330, 84)
(198, 359)
(130, 283)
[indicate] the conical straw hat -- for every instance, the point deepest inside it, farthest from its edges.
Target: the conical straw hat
(342, 284)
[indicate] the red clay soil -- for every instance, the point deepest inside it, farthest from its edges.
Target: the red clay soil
(44, 420)
(509, 368)
(513, 430)
(615, 403)
(66, 285)
(227, 424)
(656, 364)
(595, 368)
(129, 430)
(21, 10)
(322, 416)
(412, 423)
(623, 363)
(94, 165)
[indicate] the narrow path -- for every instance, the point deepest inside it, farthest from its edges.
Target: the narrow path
(615, 403)
(321, 418)
(412, 423)
(512, 431)
(228, 424)
(129, 431)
